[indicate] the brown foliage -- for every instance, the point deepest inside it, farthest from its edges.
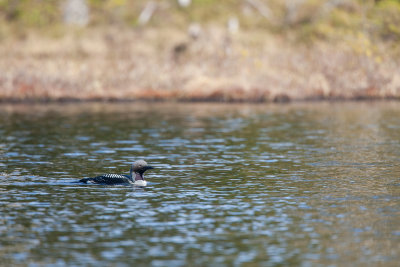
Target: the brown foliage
(122, 64)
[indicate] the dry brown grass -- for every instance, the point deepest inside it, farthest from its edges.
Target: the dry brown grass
(166, 64)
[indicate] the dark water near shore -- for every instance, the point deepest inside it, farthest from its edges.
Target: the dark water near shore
(235, 185)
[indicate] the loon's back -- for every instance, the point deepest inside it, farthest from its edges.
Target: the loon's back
(109, 179)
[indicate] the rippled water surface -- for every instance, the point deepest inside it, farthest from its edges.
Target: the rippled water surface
(234, 185)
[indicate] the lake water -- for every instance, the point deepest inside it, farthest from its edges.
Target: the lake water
(309, 184)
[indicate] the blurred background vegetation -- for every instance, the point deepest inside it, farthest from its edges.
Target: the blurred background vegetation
(304, 20)
(230, 50)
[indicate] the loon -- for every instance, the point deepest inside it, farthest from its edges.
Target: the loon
(138, 168)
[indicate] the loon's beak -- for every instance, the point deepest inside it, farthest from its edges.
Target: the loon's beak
(148, 168)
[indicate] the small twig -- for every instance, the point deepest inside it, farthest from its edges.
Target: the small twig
(261, 8)
(147, 12)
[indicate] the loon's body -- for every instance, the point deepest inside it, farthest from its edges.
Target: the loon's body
(108, 179)
(138, 168)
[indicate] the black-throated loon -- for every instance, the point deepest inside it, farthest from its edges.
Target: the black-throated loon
(138, 168)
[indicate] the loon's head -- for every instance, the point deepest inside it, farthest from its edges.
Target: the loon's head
(139, 167)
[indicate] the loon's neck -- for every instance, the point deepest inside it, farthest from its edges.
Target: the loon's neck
(139, 176)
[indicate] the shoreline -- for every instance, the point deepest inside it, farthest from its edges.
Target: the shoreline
(217, 66)
(185, 101)
(199, 108)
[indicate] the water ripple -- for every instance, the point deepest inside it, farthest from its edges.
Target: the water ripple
(271, 185)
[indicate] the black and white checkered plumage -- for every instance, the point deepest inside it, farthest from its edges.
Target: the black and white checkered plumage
(136, 176)
(108, 179)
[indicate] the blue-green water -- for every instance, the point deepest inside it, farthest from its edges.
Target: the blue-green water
(234, 185)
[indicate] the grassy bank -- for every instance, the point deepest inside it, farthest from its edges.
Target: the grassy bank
(350, 51)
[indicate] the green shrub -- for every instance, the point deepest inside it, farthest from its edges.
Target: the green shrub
(386, 18)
